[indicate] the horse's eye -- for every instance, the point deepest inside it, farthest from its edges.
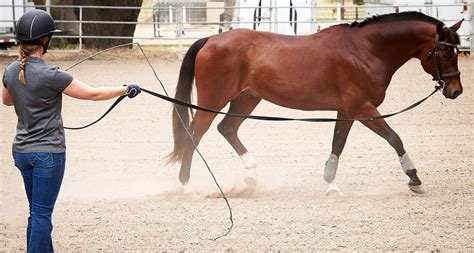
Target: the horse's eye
(446, 55)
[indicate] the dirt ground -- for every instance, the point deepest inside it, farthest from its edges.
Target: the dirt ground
(119, 194)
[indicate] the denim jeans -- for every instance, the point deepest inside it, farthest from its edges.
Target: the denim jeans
(42, 175)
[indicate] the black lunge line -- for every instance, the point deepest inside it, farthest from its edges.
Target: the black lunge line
(257, 117)
(271, 118)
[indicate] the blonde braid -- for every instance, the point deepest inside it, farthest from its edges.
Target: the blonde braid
(25, 51)
(23, 55)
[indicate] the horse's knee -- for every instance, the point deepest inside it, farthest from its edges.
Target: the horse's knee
(221, 128)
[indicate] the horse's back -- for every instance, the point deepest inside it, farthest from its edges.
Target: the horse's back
(239, 40)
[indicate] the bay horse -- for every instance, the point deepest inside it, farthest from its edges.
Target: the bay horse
(345, 68)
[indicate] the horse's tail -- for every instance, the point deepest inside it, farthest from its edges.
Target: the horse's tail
(182, 114)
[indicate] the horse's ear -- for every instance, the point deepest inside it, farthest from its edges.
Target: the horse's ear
(456, 26)
(441, 30)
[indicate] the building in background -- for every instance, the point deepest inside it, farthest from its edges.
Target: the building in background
(291, 17)
(10, 11)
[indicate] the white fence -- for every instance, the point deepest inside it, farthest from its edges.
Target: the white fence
(176, 25)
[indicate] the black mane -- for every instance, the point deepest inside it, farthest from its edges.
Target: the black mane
(453, 37)
(394, 17)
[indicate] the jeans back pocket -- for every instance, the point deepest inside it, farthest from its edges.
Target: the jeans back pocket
(43, 160)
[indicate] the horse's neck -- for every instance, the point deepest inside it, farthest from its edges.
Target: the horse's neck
(397, 43)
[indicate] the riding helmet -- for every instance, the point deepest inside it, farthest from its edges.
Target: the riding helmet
(33, 25)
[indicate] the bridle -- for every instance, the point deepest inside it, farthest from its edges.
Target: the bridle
(439, 71)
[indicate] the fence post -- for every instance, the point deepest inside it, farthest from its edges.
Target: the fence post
(170, 13)
(154, 25)
(183, 14)
(338, 11)
(274, 17)
(13, 13)
(270, 18)
(179, 34)
(80, 28)
(471, 37)
(48, 6)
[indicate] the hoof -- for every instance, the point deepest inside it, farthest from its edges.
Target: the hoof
(333, 190)
(417, 188)
(251, 183)
(250, 180)
(414, 179)
(187, 189)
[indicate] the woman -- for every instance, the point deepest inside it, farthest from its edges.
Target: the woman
(35, 89)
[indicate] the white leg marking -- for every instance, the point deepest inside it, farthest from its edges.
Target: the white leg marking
(331, 168)
(249, 161)
(406, 163)
(250, 177)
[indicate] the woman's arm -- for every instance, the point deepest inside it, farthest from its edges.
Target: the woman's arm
(7, 99)
(80, 90)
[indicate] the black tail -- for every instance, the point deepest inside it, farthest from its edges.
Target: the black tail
(182, 114)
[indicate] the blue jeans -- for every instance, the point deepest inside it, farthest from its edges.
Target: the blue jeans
(42, 175)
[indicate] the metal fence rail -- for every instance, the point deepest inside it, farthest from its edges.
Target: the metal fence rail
(179, 27)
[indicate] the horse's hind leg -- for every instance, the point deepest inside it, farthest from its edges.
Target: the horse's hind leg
(381, 128)
(341, 131)
(243, 104)
(199, 126)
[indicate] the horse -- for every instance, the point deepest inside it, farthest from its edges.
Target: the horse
(345, 68)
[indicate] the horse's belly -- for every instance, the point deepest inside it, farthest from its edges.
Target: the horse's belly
(294, 83)
(301, 99)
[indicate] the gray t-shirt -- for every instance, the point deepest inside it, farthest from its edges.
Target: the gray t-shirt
(37, 105)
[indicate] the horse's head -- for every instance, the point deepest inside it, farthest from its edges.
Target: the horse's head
(441, 61)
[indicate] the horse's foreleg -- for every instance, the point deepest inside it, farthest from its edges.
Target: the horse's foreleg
(381, 128)
(243, 104)
(341, 131)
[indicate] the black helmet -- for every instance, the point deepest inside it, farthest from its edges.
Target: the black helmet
(33, 25)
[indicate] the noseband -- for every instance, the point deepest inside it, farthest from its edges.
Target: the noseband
(439, 75)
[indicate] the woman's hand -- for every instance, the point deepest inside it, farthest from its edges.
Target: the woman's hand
(132, 90)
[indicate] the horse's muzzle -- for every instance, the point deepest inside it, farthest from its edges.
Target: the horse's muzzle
(451, 91)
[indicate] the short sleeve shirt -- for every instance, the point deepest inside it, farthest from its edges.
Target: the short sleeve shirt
(38, 105)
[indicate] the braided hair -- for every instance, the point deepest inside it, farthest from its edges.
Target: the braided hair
(25, 51)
